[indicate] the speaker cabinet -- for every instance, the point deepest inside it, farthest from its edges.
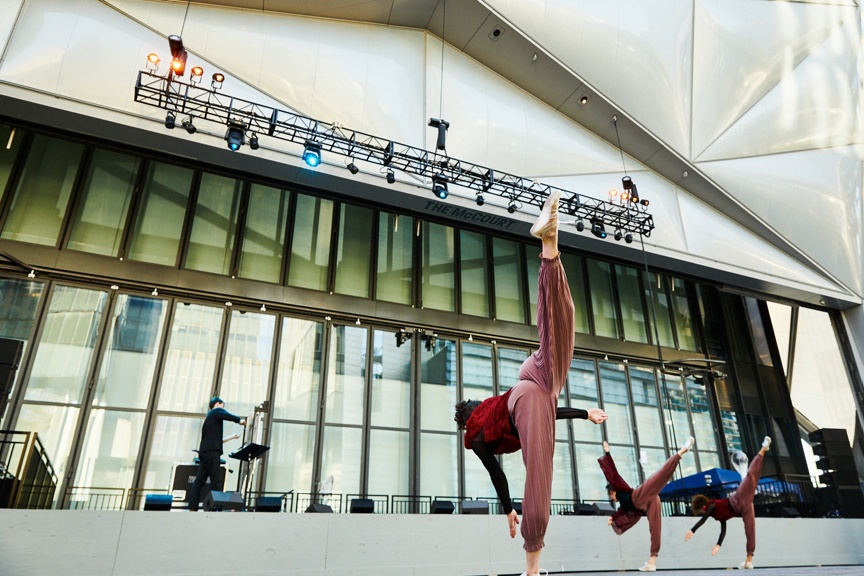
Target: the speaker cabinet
(160, 502)
(603, 509)
(475, 507)
(268, 504)
(362, 506)
(442, 507)
(217, 501)
(315, 507)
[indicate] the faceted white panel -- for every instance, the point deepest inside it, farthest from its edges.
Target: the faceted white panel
(814, 106)
(812, 198)
(8, 13)
(742, 49)
(637, 53)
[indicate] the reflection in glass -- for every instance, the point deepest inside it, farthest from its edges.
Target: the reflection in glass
(42, 195)
(211, 242)
(576, 279)
(264, 234)
(592, 483)
(675, 407)
(289, 460)
(438, 386)
(477, 482)
(532, 267)
(683, 320)
(654, 458)
(603, 299)
(582, 383)
(474, 279)
(346, 375)
(700, 412)
(246, 368)
(562, 475)
(709, 460)
(655, 296)
(391, 382)
(129, 363)
(310, 243)
(616, 402)
(395, 258)
(648, 418)
(110, 449)
(187, 379)
(626, 462)
(8, 155)
(340, 458)
(439, 271)
(174, 437)
(388, 462)
(65, 350)
(476, 371)
(19, 300)
(509, 362)
(438, 475)
(163, 210)
(299, 372)
(514, 469)
(56, 428)
(632, 314)
(508, 266)
(354, 251)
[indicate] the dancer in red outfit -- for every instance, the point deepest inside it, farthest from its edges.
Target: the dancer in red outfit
(738, 504)
(531, 403)
(644, 500)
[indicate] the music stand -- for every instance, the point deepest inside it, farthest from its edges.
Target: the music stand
(247, 453)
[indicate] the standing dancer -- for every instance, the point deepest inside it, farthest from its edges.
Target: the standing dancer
(738, 504)
(531, 403)
(644, 500)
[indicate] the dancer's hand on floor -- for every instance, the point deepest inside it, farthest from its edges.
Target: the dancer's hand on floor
(715, 550)
(512, 521)
(597, 416)
(609, 521)
(688, 535)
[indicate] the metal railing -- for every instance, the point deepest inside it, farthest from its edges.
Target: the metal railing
(27, 478)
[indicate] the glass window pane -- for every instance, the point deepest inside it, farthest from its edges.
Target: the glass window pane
(346, 377)
(582, 384)
(655, 295)
(700, 411)
(439, 476)
(388, 462)
(65, 351)
(509, 362)
(476, 371)
(477, 482)
(391, 382)
(709, 460)
(56, 428)
(626, 462)
(514, 469)
(603, 299)
(110, 449)
(576, 279)
(340, 458)
(675, 411)
(290, 458)
(299, 371)
(508, 266)
(107, 193)
(160, 219)
(395, 258)
(562, 472)
(683, 321)
(211, 243)
(42, 195)
(532, 267)
(128, 365)
(648, 418)
(592, 483)
(310, 244)
(616, 403)
(474, 282)
(651, 459)
(187, 379)
(264, 234)
(8, 155)
(438, 267)
(246, 368)
(354, 251)
(174, 438)
(19, 300)
(438, 386)
(632, 315)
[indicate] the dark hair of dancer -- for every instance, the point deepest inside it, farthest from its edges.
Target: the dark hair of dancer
(698, 504)
(463, 412)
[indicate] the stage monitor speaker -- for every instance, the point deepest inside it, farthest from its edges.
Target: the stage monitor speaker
(161, 502)
(583, 509)
(475, 507)
(517, 506)
(315, 507)
(839, 478)
(851, 502)
(603, 509)
(442, 507)
(268, 504)
(217, 501)
(362, 506)
(830, 435)
(789, 512)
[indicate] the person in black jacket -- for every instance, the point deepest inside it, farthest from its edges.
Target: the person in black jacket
(210, 449)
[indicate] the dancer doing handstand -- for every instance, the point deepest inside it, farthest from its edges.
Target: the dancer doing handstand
(738, 504)
(531, 403)
(644, 500)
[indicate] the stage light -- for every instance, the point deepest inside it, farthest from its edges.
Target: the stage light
(613, 193)
(597, 228)
(197, 73)
(580, 226)
(170, 120)
(511, 206)
(391, 177)
(253, 142)
(235, 136)
(627, 182)
(618, 235)
(218, 79)
(583, 100)
(189, 126)
(312, 153)
(480, 200)
(628, 238)
(624, 196)
(402, 337)
(634, 194)
(439, 186)
(178, 55)
(442, 125)
(153, 61)
(644, 202)
(353, 168)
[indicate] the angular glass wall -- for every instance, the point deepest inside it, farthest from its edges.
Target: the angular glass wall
(266, 225)
(214, 224)
(354, 251)
(19, 302)
(438, 473)
(395, 280)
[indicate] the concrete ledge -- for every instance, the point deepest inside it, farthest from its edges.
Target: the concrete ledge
(180, 543)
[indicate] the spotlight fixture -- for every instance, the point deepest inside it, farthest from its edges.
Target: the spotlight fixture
(480, 200)
(628, 238)
(153, 61)
(580, 226)
(218, 79)
(618, 235)
(197, 73)
(170, 120)
(31, 274)
(235, 136)
(439, 186)
(511, 206)
(644, 202)
(312, 153)
(429, 338)
(627, 182)
(155, 292)
(391, 177)
(442, 125)
(613, 193)
(263, 307)
(253, 142)
(178, 55)
(353, 168)
(189, 126)
(583, 100)
(402, 337)
(597, 228)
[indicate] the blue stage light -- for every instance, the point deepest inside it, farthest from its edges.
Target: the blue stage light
(312, 153)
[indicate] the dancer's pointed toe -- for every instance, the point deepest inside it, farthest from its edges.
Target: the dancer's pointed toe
(548, 218)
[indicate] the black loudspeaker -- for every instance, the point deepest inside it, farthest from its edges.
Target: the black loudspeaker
(583, 509)
(603, 509)
(362, 506)
(315, 507)
(475, 507)
(787, 512)
(217, 501)
(835, 457)
(839, 478)
(442, 507)
(153, 502)
(851, 501)
(268, 504)
(517, 506)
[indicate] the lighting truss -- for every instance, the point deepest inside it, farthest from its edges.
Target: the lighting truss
(184, 98)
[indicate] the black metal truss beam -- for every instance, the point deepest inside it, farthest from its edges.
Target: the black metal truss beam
(184, 98)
